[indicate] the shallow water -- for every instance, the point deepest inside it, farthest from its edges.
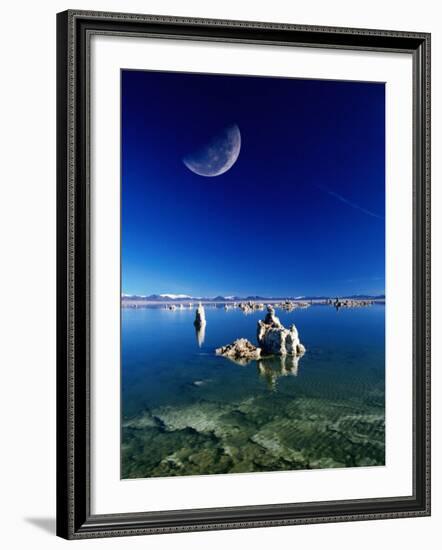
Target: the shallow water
(187, 411)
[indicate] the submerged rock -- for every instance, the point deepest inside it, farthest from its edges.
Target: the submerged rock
(274, 338)
(241, 351)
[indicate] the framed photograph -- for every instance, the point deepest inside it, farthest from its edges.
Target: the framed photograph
(243, 274)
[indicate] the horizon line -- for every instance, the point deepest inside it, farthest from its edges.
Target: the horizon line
(231, 296)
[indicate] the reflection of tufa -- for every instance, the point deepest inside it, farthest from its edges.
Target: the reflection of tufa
(200, 332)
(273, 368)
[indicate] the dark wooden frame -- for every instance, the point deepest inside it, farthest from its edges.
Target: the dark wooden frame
(74, 519)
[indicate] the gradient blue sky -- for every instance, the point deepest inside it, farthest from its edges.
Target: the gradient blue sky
(300, 213)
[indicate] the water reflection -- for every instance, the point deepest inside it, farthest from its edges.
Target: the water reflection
(277, 413)
(272, 368)
(200, 333)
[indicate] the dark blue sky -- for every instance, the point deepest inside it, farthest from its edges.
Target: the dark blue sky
(302, 210)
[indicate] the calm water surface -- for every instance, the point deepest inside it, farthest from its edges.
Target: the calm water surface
(187, 411)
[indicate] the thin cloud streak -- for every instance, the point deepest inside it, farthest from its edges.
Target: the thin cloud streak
(348, 203)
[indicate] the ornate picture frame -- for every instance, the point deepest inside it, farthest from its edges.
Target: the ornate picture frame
(75, 518)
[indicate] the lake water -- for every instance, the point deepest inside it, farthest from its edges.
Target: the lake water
(187, 411)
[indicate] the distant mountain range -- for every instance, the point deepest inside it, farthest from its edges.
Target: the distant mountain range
(185, 297)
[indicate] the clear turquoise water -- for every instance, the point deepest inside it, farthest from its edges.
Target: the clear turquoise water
(188, 411)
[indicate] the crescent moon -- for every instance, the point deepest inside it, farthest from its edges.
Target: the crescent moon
(218, 155)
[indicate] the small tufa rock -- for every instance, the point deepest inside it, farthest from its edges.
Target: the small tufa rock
(249, 307)
(200, 317)
(274, 338)
(271, 319)
(348, 302)
(241, 351)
